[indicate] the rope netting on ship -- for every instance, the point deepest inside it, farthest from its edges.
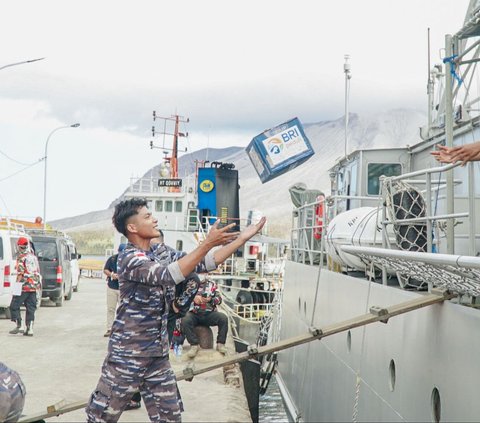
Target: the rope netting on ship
(458, 274)
(403, 201)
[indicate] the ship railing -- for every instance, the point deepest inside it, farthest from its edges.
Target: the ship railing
(455, 273)
(305, 248)
(252, 312)
(430, 218)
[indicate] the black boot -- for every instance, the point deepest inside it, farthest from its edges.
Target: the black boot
(29, 330)
(18, 329)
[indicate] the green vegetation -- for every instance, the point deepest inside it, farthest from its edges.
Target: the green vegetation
(93, 242)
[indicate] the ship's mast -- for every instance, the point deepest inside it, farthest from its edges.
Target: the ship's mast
(173, 158)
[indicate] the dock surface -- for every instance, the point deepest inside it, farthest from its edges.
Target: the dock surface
(62, 362)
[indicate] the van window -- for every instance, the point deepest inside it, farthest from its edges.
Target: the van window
(46, 250)
(13, 244)
(66, 252)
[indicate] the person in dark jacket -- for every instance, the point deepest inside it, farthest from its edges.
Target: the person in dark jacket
(113, 294)
(138, 349)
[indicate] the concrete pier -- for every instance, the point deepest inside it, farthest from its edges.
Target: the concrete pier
(62, 361)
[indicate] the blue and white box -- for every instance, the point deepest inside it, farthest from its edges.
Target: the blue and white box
(280, 149)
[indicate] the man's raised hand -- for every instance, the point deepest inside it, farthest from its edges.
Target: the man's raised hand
(251, 230)
(220, 236)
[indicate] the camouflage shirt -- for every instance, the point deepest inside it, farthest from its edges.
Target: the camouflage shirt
(28, 271)
(207, 289)
(147, 285)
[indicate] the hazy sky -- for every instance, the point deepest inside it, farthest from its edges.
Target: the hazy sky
(233, 68)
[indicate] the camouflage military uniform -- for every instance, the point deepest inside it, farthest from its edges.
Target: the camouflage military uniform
(138, 349)
(28, 272)
(12, 395)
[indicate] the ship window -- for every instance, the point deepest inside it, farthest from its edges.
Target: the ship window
(1, 248)
(436, 406)
(159, 205)
(375, 170)
(179, 245)
(168, 206)
(178, 206)
(393, 375)
(149, 204)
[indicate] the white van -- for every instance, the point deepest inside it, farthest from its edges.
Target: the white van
(74, 257)
(9, 234)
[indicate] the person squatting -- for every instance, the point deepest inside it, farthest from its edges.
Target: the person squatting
(137, 357)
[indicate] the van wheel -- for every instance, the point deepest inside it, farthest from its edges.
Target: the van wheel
(75, 289)
(59, 301)
(68, 297)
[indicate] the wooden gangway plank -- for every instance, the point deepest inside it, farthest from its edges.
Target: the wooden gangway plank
(377, 314)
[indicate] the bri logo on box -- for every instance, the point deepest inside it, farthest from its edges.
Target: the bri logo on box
(275, 146)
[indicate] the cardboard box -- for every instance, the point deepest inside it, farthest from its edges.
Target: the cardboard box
(279, 149)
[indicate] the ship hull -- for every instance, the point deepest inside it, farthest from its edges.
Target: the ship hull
(434, 351)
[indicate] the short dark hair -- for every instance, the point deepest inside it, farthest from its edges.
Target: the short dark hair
(124, 210)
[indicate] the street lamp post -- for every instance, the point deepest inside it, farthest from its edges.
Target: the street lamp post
(75, 125)
(21, 63)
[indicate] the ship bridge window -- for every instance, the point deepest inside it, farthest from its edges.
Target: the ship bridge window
(168, 206)
(159, 205)
(178, 206)
(375, 170)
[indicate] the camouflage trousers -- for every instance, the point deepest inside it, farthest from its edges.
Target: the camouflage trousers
(12, 395)
(123, 376)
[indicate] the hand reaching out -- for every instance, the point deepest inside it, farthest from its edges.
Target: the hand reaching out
(465, 153)
(251, 230)
(220, 236)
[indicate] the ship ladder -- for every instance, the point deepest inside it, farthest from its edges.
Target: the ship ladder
(376, 314)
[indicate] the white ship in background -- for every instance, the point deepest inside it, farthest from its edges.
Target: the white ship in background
(397, 226)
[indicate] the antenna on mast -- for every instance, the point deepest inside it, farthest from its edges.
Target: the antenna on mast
(429, 85)
(173, 159)
(348, 76)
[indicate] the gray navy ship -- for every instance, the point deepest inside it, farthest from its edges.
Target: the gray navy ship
(397, 227)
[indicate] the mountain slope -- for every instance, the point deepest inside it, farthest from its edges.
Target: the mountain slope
(393, 128)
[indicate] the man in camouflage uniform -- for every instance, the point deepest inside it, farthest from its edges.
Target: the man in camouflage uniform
(12, 394)
(28, 274)
(137, 357)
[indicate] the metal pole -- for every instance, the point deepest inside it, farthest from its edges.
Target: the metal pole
(471, 210)
(75, 125)
(449, 142)
(21, 63)
(346, 70)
